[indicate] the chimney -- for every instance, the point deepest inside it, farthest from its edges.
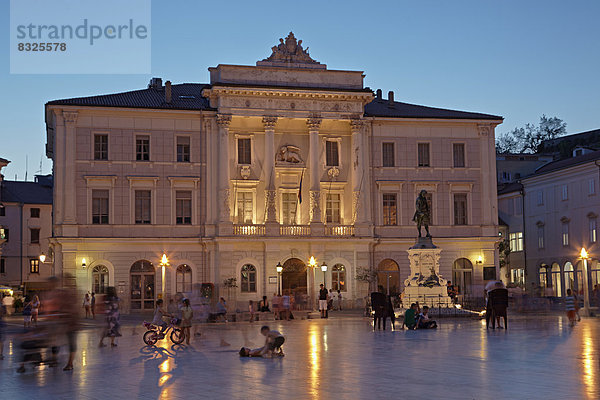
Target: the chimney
(391, 99)
(168, 96)
(378, 95)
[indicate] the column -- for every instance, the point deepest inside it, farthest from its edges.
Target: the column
(314, 124)
(224, 212)
(70, 118)
(359, 186)
(269, 168)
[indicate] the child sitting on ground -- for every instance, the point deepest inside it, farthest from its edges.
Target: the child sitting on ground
(423, 320)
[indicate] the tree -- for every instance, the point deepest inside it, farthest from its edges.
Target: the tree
(528, 139)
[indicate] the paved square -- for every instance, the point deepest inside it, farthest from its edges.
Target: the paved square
(538, 357)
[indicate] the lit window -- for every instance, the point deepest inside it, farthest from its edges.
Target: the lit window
(593, 222)
(34, 266)
(565, 233)
(183, 279)
(245, 208)
(338, 278)
(100, 279)
(248, 278)
(541, 234)
(332, 209)
(289, 206)
(516, 241)
(389, 209)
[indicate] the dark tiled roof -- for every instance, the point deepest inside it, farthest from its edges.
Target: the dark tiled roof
(185, 96)
(26, 192)
(381, 108)
(566, 163)
(509, 187)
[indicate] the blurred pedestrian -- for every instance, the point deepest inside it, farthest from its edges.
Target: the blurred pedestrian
(26, 312)
(285, 302)
(87, 304)
(251, 310)
(93, 305)
(113, 317)
(35, 309)
(264, 305)
(187, 314)
(339, 300)
(570, 307)
(2, 313)
(222, 309)
(7, 302)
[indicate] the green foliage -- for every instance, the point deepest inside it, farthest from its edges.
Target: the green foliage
(528, 139)
(230, 283)
(364, 274)
(504, 252)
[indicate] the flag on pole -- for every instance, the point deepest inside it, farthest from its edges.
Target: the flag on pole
(300, 188)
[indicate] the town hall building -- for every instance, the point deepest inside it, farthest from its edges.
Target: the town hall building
(286, 163)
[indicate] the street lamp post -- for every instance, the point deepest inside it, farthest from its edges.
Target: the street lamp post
(586, 289)
(324, 269)
(164, 262)
(279, 269)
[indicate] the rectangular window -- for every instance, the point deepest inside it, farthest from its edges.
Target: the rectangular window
(592, 187)
(245, 207)
(565, 233)
(541, 237)
(389, 209)
(2, 211)
(142, 148)
(460, 209)
(423, 154)
(34, 235)
(388, 154)
(99, 206)
(517, 276)
(244, 151)
(34, 266)
(100, 147)
(34, 212)
(489, 273)
(516, 241)
(565, 192)
(540, 197)
(4, 234)
(2, 266)
(183, 207)
(593, 230)
(143, 204)
(183, 149)
(331, 153)
(289, 204)
(332, 209)
(458, 149)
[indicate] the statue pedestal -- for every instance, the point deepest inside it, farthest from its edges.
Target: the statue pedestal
(425, 284)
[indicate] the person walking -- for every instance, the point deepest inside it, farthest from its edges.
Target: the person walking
(323, 293)
(251, 310)
(113, 317)
(26, 312)
(222, 309)
(285, 301)
(570, 307)
(264, 305)
(2, 313)
(87, 305)
(93, 305)
(187, 314)
(35, 309)
(339, 300)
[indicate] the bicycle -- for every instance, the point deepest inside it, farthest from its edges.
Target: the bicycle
(153, 333)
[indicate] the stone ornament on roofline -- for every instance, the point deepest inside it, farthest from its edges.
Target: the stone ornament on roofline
(290, 51)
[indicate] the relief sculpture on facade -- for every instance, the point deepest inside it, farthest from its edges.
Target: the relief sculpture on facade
(289, 154)
(315, 206)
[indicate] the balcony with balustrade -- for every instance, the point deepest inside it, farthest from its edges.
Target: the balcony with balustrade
(292, 230)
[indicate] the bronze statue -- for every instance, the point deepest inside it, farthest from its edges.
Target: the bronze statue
(422, 213)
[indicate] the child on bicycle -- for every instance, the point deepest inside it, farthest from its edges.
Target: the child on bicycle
(159, 313)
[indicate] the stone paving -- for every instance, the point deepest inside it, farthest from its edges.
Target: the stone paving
(341, 357)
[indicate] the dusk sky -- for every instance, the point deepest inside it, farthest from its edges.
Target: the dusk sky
(518, 59)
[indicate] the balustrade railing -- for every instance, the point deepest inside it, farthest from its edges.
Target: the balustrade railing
(294, 230)
(249, 230)
(339, 230)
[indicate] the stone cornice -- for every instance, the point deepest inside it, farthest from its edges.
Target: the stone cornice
(269, 122)
(223, 120)
(308, 93)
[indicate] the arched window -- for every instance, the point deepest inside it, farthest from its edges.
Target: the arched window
(388, 277)
(338, 277)
(248, 278)
(543, 274)
(183, 279)
(569, 276)
(579, 274)
(462, 275)
(556, 281)
(99, 279)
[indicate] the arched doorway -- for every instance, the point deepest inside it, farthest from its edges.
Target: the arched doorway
(569, 274)
(543, 276)
(388, 277)
(556, 281)
(462, 276)
(293, 277)
(142, 285)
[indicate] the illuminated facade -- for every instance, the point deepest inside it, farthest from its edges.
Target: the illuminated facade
(267, 164)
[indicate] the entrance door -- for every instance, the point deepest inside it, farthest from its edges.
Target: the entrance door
(294, 281)
(462, 276)
(388, 277)
(142, 286)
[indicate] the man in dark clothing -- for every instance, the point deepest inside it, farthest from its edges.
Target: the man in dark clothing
(323, 293)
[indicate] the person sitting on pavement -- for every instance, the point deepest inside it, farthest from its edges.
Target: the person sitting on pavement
(274, 341)
(410, 317)
(424, 322)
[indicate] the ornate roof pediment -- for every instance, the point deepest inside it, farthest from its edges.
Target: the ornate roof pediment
(290, 51)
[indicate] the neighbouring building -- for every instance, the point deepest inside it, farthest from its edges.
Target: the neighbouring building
(26, 228)
(562, 206)
(265, 165)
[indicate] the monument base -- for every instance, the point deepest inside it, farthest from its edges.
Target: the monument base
(425, 284)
